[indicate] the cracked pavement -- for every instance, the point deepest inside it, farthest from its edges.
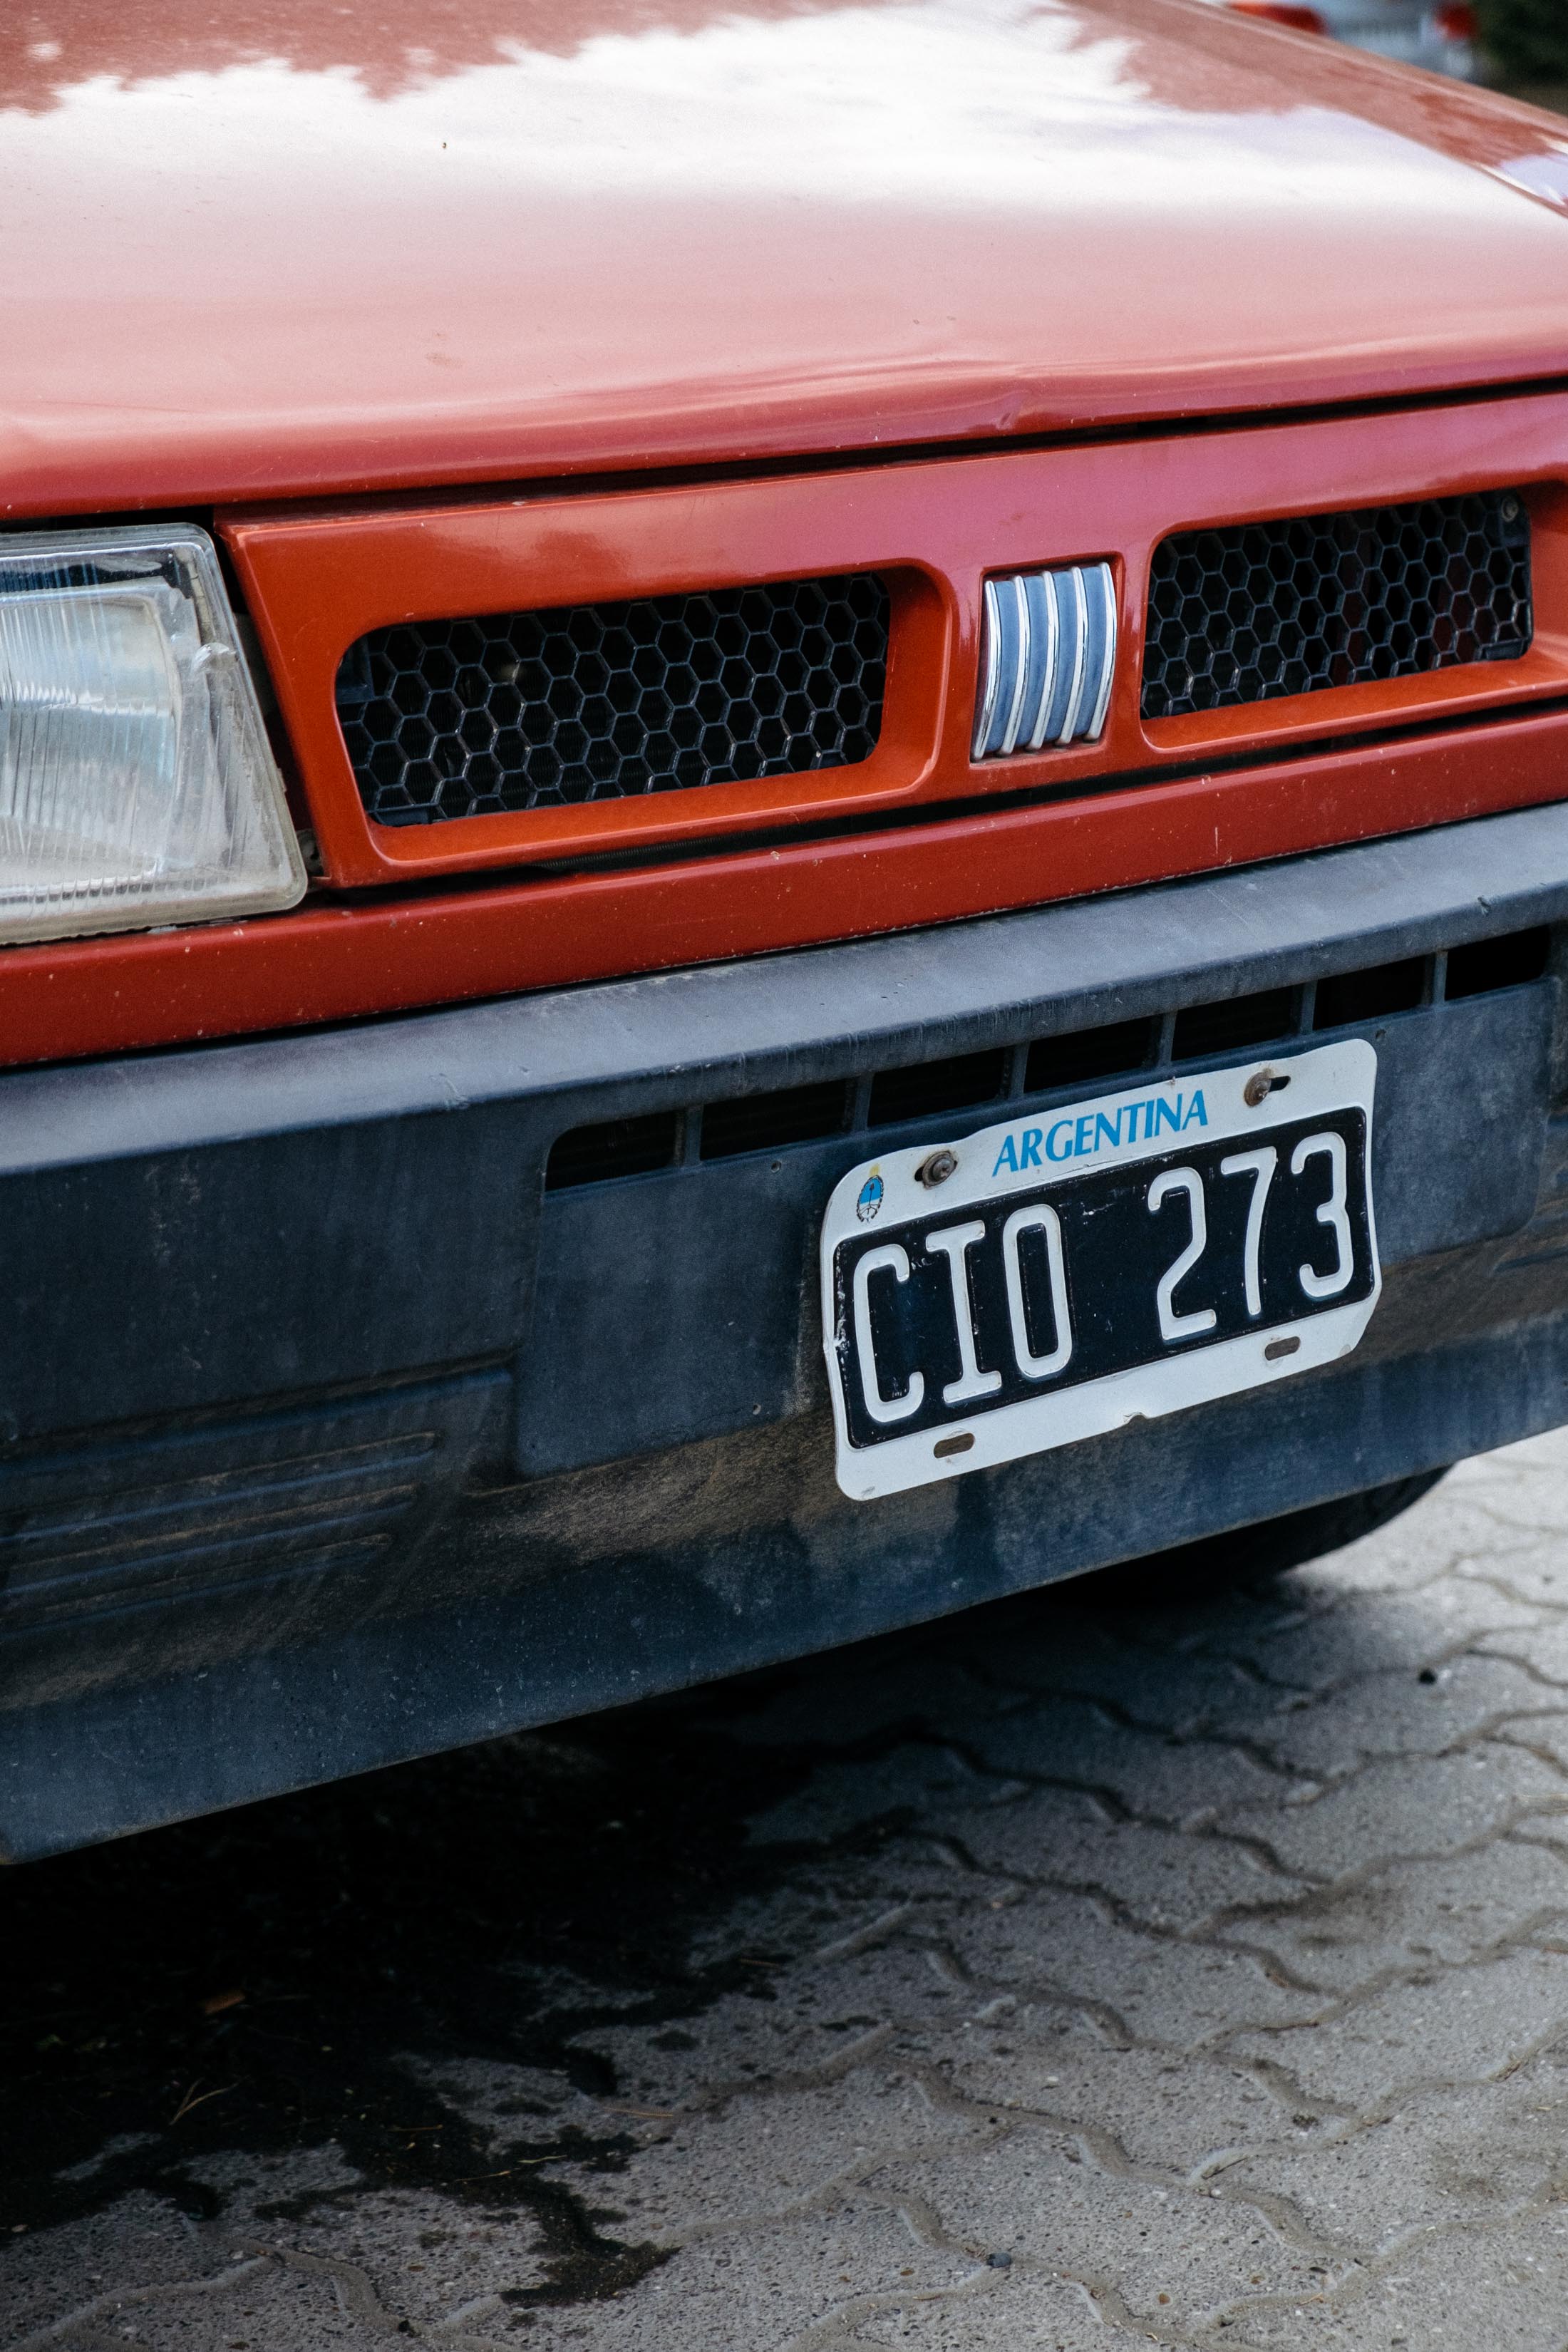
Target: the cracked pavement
(1078, 1971)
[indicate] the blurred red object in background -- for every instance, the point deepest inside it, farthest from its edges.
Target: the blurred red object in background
(1300, 20)
(1283, 12)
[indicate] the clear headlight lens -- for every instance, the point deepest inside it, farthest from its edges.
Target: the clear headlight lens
(136, 784)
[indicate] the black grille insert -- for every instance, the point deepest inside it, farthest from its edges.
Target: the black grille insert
(594, 702)
(1059, 1066)
(1259, 610)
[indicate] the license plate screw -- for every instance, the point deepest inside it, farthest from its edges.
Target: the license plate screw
(1260, 1085)
(937, 1168)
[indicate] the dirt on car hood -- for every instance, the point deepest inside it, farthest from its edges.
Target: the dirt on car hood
(282, 249)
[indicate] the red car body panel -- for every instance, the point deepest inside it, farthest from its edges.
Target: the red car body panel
(931, 289)
(286, 250)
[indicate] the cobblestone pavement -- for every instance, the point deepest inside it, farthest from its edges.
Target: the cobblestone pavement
(1073, 1974)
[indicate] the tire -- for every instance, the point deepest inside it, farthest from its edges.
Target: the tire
(1194, 1571)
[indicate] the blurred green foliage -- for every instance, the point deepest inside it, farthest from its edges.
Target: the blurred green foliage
(1526, 39)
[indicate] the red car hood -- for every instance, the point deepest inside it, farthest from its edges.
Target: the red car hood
(280, 249)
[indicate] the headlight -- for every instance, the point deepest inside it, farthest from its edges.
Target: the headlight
(136, 785)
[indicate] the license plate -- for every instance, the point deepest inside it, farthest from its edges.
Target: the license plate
(1055, 1277)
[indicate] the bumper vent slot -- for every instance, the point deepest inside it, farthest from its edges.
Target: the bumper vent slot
(615, 1146)
(1487, 965)
(1352, 997)
(955, 1083)
(1233, 1024)
(595, 702)
(1085, 1055)
(767, 1122)
(1256, 611)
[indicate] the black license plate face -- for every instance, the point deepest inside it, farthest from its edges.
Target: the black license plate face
(1156, 1270)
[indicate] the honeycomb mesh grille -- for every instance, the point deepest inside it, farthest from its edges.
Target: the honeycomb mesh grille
(595, 702)
(1258, 609)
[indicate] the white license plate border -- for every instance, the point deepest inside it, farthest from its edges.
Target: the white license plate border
(1323, 1078)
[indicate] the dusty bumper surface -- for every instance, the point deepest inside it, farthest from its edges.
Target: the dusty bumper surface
(1206, 1965)
(336, 1439)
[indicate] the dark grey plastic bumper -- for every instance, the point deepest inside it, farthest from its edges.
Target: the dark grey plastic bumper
(328, 1437)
